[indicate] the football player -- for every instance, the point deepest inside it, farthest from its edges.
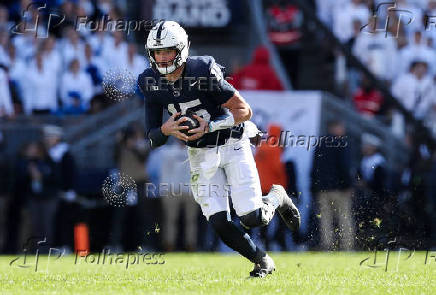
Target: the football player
(219, 150)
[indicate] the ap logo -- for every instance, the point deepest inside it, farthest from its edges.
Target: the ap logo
(33, 16)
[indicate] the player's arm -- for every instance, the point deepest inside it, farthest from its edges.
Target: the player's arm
(157, 132)
(153, 121)
(239, 108)
(236, 110)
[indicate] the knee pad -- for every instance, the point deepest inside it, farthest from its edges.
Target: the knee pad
(219, 221)
(259, 217)
(252, 219)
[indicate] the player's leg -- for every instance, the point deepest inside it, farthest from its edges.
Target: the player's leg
(253, 209)
(212, 196)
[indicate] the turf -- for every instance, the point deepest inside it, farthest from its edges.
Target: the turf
(297, 273)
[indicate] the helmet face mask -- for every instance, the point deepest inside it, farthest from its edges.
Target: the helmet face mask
(167, 35)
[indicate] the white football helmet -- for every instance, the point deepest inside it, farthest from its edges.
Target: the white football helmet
(167, 34)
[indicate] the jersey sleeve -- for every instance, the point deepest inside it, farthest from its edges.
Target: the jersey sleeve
(153, 118)
(220, 90)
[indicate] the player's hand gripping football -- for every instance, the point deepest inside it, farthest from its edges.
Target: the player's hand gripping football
(200, 130)
(171, 127)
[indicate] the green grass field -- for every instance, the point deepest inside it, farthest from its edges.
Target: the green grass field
(297, 273)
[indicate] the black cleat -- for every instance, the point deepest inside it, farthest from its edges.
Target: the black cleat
(265, 267)
(287, 210)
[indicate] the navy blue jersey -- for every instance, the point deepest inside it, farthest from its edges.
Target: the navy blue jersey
(201, 89)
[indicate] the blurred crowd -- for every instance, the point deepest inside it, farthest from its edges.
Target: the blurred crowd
(58, 67)
(396, 41)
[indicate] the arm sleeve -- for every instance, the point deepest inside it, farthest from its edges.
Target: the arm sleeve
(222, 90)
(153, 118)
(153, 122)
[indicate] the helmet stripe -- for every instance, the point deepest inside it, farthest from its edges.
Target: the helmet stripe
(159, 30)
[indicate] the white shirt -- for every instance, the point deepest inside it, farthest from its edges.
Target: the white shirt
(99, 41)
(70, 52)
(53, 61)
(115, 56)
(420, 52)
(6, 107)
(378, 53)
(343, 17)
(25, 46)
(80, 83)
(17, 74)
(416, 95)
(138, 65)
(39, 89)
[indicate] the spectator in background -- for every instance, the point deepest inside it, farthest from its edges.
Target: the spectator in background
(367, 100)
(272, 171)
(258, 75)
(130, 223)
(76, 89)
(94, 66)
(67, 212)
(39, 90)
(115, 52)
(175, 174)
(416, 90)
(376, 51)
(135, 63)
(26, 43)
(17, 77)
(5, 24)
(331, 184)
(373, 181)
(52, 58)
(72, 47)
(100, 40)
(324, 9)
(39, 177)
(412, 10)
(6, 107)
(418, 49)
(268, 161)
(343, 16)
(284, 22)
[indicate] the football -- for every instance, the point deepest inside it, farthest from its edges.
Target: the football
(192, 123)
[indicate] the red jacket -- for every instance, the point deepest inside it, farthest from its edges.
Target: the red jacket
(368, 102)
(258, 75)
(268, 161)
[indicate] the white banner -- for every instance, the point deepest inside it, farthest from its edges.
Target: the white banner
(298, 113)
